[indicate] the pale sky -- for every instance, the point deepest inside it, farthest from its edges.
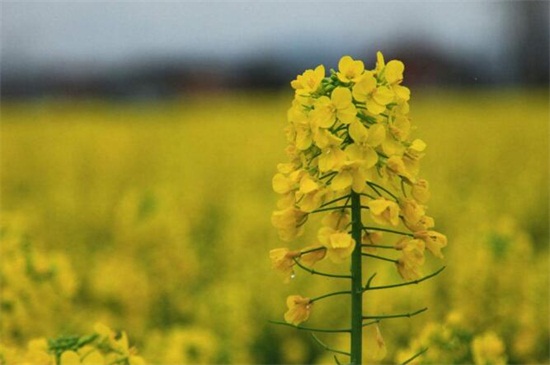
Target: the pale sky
(45, 32)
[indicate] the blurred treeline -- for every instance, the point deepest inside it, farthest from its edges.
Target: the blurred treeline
(152, 76)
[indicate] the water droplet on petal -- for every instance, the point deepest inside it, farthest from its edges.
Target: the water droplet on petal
(292, 275)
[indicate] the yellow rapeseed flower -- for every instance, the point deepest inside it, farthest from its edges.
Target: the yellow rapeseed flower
(350, 70)
(338, 107)
(299, 309)
(375, 97)
(384, 211)
(488, 349)
(435, 241)
(412, 258)
(309, 81)
(282, 260)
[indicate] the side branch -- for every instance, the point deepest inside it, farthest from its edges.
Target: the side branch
(388, 230)
(379, 257)
(328, 330)
(329, 295)
(375, 187)
(414, 356)
(330, 208)
(335, 200)
(417, 281)
(328, 348)
(408, 315)
(311, 271)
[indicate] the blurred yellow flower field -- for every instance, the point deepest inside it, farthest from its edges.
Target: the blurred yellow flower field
(154, 218)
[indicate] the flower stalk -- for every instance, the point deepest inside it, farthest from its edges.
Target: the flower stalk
(356, 282)
(352, 161)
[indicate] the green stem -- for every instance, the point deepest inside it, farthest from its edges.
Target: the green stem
(356, 282)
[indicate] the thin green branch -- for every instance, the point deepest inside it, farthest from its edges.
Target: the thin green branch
(369, 281)
(417, 281)
(403, 187)
(333, 173)
(330, 208)
(323, 345)
(367, 195)
(311, 271)
(389, 247)
(328, 330)
(388, 230)
(312, 250)
(374, 187)
(414, 356)
(408, 315)
(335, 200)
(371, 323)
(379, 257)
(329, 295)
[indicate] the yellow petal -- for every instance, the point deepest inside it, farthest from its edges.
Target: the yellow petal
(319, 72)
(93, 358)
(358, 132)
(374, 107)
(347, 115)
(379, 61)
(394, 71)
(370, 157)
(377, 134)
(342, 181)
(307, 185)
(345, 63)
(280, 184)
(341, 97)
(364, 87)
(402, 92)
(383, 95)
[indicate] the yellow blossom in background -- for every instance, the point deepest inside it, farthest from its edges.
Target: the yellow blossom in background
(488, 349)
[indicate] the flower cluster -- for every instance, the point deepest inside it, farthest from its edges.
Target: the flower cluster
(351, 132)
(104, 346)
